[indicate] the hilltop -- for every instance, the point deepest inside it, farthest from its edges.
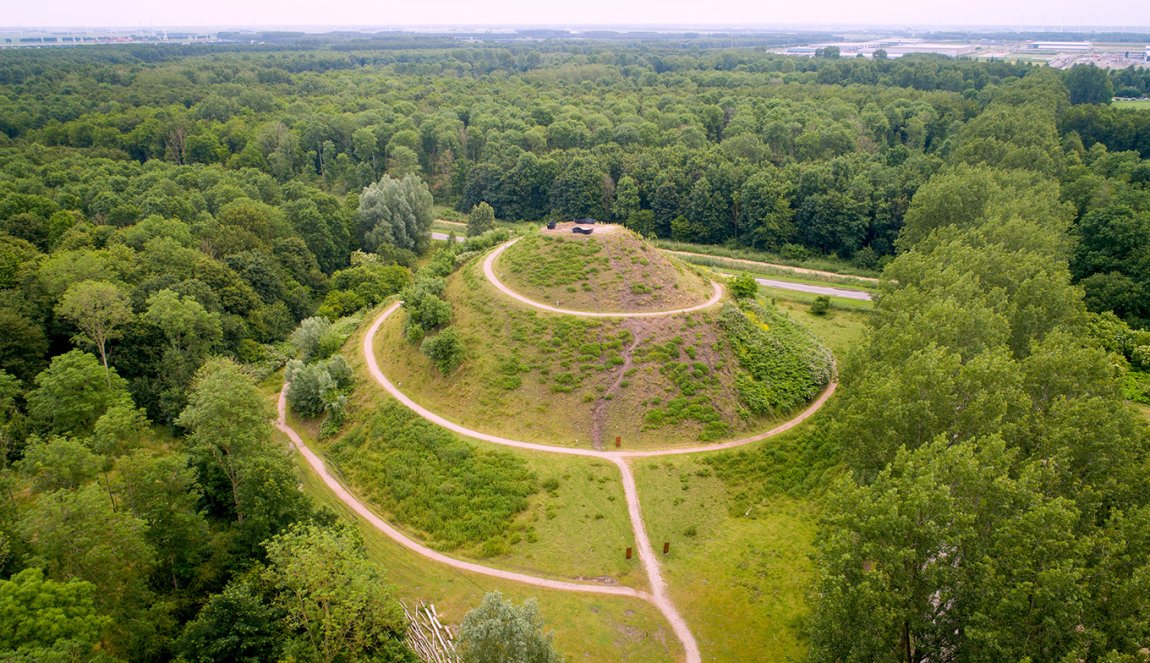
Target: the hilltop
(611, 270)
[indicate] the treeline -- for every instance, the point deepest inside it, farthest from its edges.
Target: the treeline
(997, 505)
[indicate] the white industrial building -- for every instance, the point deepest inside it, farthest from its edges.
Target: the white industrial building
(1060, 46)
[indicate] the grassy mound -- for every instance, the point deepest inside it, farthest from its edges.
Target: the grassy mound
(564, 380)
(613, 270)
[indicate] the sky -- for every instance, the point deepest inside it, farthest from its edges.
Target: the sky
(397, 13)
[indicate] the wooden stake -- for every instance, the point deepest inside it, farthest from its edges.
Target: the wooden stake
(628, 553)
(618, 442)
(666, 547)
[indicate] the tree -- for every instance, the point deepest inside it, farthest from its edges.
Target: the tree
(396, 212)
(499, 632)
(445, 350)
(480, 220)
(79, 535)
(1089, 84)
(100, 309)
(59, 463)
(577, 192)
(22, 345)
(161, 489)
(337, 605)
(47, 620)
(626, 198)
(235, 625)
(190, 329)
(73, 393)
(246, 477)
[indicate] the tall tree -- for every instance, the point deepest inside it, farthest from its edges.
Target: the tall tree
(480, 220)
(100, 310)
(337, 605)
(396, 212)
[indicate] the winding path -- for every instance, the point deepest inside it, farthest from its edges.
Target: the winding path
(658, 596)
(489, 272)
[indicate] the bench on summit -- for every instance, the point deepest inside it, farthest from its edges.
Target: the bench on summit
(582, 231)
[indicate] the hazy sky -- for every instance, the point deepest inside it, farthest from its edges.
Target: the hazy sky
(129, 13)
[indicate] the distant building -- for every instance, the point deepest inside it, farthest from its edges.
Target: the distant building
(1147, 54)
(1060, 46)
(951, 50)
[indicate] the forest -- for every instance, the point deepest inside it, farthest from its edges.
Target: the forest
(178, 224)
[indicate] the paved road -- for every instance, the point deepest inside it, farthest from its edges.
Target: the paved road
(817, 289)
(443, 236)
(772, 265)
(489, 271)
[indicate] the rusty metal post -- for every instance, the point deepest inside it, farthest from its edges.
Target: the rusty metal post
(666, 547)
(628, 553)
(618, 441)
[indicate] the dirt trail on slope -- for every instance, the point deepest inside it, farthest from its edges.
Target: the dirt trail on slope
(599, 412)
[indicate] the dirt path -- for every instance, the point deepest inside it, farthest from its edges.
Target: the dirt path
(599, 412)
(367, 514)
(489, 272)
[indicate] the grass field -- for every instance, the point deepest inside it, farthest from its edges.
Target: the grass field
(612, 272)
(1139, 104)
(739, 579)
(586, 627)
(575, 525)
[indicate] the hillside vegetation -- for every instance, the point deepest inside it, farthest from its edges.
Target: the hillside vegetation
(613, 270)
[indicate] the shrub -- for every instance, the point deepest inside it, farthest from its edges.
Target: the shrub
(306, 338)
(781, 364)
(319, 388)
(821, 305)
(445, 349)
(744, 286)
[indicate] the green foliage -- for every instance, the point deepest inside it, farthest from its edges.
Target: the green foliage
(499, 632)
(1089, 85)
(426, 310)
(320, 387)
(782, 365)
(480, 220)
(73, 393)
(58, 463)
(445, 350)
(433, 482)
(79, 535)
(246, 477)
(99, 309)
(235, 625)
(336, 603)
(48, 620)
(396, 212)
(306, 338)
(821, 305)
(744, 286)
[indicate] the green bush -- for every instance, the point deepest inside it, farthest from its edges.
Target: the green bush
(744, 286)
(820, 305)
(318, 388)
(445, 349)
